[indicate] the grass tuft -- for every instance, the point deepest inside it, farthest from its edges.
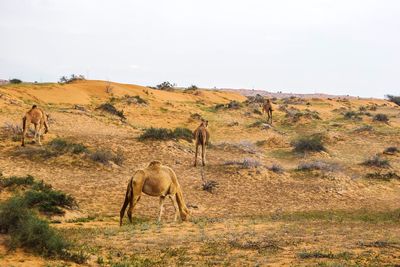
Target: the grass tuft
(376, 161)
(166, 134)
(311, 143)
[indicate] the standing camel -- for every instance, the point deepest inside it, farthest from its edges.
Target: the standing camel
(267, 107)
(201, 137)
(38, 118)
(156, 180)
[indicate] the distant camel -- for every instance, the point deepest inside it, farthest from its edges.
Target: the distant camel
(267, 107)
(201, 137)
(37, 117)
(156, 180)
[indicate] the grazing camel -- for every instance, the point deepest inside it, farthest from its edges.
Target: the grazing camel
(38, 118)
(201, 137)
(156, 180)
(267, 107)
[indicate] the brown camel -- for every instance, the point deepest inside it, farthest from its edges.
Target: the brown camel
(201, 137)
(38, 118)
(156, 180)
(267, 108)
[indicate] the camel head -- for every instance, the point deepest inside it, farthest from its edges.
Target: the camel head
(204, 123)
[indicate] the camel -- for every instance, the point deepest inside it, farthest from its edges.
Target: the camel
(267, 108)
(38, 118)
(155, 180)
(201, 137)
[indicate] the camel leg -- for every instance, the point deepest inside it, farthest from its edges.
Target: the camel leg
(36, 132)
(162, 199)
(195, 157)
(175, 203)
(132, 204)
(271, 116)
(203, 154)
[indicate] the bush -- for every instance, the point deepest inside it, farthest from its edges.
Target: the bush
(107, 107)
(15, 81)
(183, 133)
(233, 105)
(72, 78)
(311, 143)
(63, 146)
(16, 181)
(391, 150)
(376, 161)
(383, 176)
(352, 115)
(135, 100)
(219, 106)
(316, 165)
(394, 99)
(167, 86)
(166, 134)
(26, 229)
(276, 168)
(246, 163)
(381, 117)
(106, 156)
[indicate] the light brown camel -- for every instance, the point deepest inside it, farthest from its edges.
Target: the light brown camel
(267, 108)
(156, 180)
(38, 118)
(201, 137)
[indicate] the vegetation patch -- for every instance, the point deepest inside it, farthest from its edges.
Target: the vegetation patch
(71, 79)
(166, 134)
(24, 226)
(276, 168)
(106, 156)
(109, 108)
(246, 163)
(312, 143)
(381, 118)
(323, 255)
(134, 100)
(376, 161)
(316, 165)
(394, 99)
(391, 150)
(383, 176)
(352, 115)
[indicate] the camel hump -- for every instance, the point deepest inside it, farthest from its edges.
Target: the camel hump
(155, 164)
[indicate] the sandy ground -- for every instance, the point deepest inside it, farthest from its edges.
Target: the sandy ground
(233, 225)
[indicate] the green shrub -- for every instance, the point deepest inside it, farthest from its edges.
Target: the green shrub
(167, 86)
(381, 117)
(352, 115)
(105, 157)
(28, 231)
(394, 99)
(15, 81)
(72, 78)
(183, 133)
(63, 146)
(383, 176)
(376, 161)
(308, 143)
(166, 134)
(108, 107)
(15, 180)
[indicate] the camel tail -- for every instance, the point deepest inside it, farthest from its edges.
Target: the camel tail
(128, 197)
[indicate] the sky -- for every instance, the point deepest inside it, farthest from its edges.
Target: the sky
(326, 46)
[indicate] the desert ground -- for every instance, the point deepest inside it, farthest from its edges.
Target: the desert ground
(272, 206)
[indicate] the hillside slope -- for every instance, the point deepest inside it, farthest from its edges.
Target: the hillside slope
(262, 198)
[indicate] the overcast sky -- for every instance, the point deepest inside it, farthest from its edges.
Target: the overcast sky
(331, 46)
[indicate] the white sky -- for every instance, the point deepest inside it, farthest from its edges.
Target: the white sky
(305, 46)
